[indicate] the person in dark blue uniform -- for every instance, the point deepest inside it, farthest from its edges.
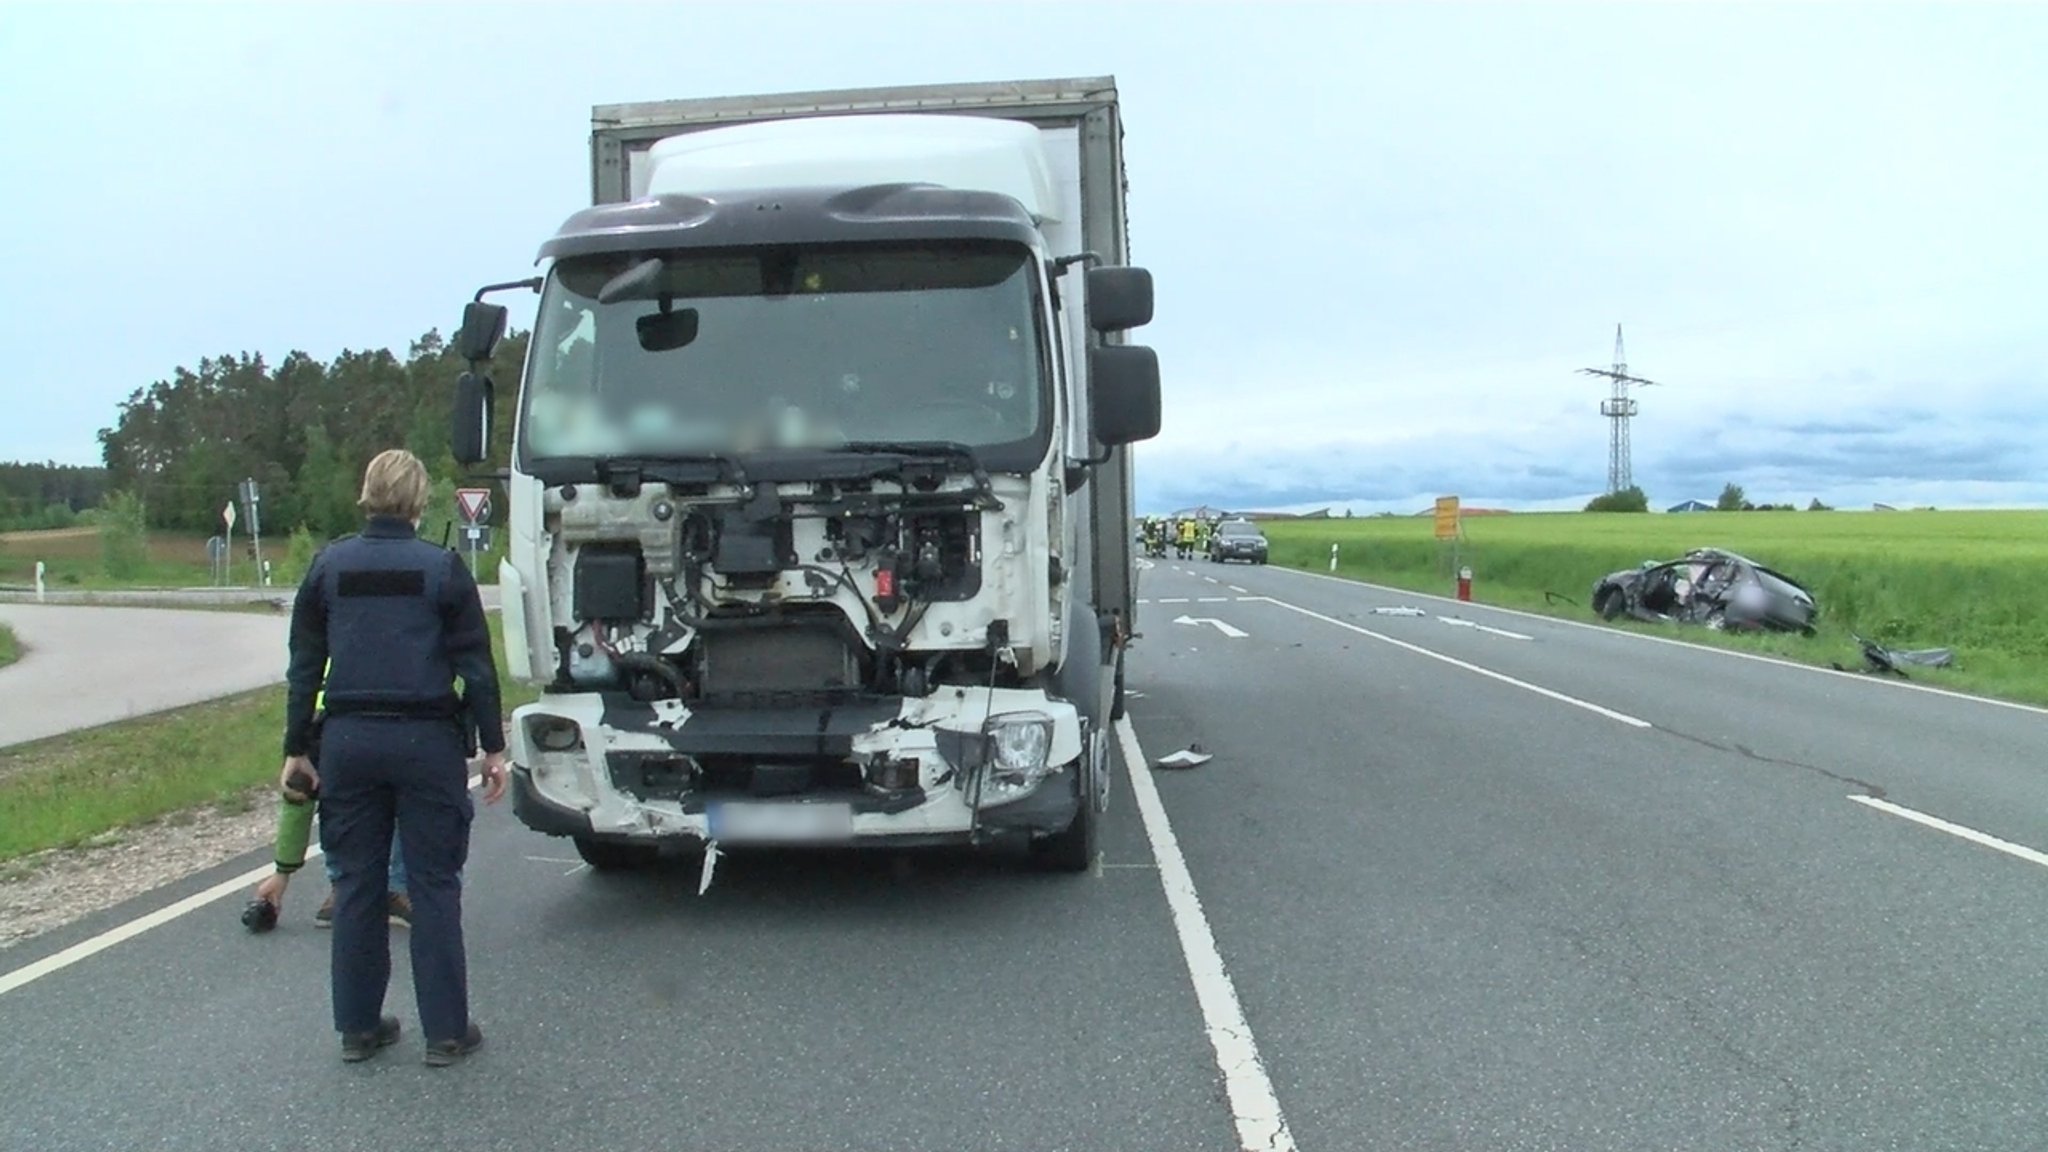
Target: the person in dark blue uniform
(393, 621)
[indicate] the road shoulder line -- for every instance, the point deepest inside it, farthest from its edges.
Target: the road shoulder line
(1253, 1105)
(1504, 678)
(2019, 851)
(1690, 647)
(88, 948)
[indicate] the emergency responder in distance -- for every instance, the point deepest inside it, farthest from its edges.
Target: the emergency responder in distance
(394, 621)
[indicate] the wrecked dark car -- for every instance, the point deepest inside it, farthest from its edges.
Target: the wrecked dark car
(1708, 586)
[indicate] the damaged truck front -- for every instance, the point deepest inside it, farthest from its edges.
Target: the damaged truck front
(818, 510)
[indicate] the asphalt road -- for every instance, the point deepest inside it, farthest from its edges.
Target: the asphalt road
(1501, 884)
(95, 665)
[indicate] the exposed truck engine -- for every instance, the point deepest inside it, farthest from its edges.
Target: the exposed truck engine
(819, 509)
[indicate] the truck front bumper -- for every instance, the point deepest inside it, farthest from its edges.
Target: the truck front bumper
(880, 771)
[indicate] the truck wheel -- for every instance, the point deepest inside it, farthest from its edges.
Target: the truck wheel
(1072, 850)
(605, 856)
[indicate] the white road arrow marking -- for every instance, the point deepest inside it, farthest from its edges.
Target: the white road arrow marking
(1226, 629)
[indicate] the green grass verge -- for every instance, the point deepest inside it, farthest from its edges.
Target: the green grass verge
(10, 648)
(67, 790)
(1962, 580)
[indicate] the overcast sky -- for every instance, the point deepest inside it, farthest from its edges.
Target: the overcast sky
(1384, 236)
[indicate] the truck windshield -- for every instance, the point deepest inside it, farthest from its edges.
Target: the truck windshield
(800, 347)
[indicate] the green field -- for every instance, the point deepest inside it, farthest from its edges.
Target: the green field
(10, 648)
(72, 560)
(1963, 580)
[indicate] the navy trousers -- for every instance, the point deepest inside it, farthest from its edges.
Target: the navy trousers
(379, 775)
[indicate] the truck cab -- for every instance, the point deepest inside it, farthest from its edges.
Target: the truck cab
(818, 499)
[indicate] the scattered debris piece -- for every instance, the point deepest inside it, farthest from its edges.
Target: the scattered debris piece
(1709, 586)
(1883, 661)
(1401, 611)
(711, 855)
(1190, 757)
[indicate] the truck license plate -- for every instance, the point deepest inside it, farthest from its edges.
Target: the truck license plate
(785, 823)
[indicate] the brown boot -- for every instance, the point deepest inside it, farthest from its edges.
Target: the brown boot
(400, 910)
(324, 918)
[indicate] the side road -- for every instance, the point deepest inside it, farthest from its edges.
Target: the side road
(86, 666)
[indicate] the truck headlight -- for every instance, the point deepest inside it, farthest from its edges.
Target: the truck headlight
(1019, 745)
(554, 733)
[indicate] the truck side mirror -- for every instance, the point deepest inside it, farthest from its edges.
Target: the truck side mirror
(1123, 393)
(470, 430)
(1119, 299)
(483, 325)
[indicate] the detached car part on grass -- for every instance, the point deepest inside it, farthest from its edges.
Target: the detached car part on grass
(1711, 587)
(1884, 661)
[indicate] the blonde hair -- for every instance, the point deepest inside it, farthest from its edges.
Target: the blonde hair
(395, 484)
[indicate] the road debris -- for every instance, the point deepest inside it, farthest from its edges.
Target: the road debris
(1883, 661)
(1190, 757)
(1401, 611)
(711, 855)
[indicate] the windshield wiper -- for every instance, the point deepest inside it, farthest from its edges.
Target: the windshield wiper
(913, 450)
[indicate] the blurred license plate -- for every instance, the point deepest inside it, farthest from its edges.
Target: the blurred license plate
(736, 823)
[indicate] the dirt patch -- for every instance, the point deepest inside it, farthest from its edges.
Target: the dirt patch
(51, 889)
(47, 535)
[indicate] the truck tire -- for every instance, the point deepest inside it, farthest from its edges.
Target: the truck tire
(605, 856)
(1609, 603)
(1074, 849)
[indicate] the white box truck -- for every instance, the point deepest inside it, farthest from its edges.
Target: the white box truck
(819, 511)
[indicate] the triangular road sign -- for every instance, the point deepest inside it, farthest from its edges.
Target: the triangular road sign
(474, 503)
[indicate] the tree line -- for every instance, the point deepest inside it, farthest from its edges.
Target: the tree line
(47, 495)
(1733, 499)
(302, 429)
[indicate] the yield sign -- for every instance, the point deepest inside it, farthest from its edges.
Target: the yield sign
(474, 503)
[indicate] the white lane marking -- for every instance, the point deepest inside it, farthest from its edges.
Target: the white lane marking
(1198, 621)
(1212, 599)
(1212, 579)
(86, 949)
(1970, 834)
(1253, 1105)
(1489, 673)
(1173, 600)
(1235, 588)
(1607, 630)
(1464, 623)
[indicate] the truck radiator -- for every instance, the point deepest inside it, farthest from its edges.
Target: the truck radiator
(795, 658)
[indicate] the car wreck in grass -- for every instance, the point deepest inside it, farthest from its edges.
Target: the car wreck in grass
(1708, 586)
